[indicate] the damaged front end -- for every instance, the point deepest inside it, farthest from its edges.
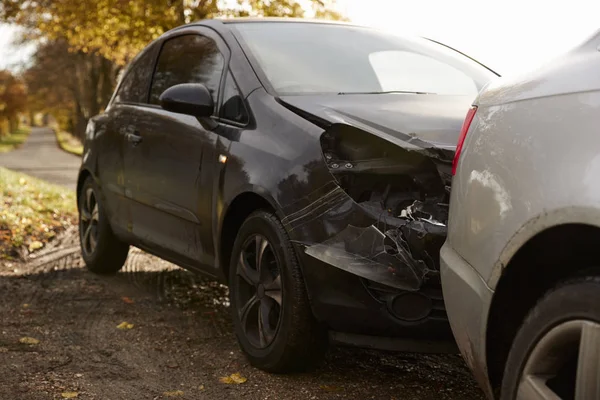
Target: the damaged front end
(382, 218)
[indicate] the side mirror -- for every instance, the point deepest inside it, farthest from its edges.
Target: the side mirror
(188, 98)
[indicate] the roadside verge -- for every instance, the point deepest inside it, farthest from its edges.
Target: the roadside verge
(32, 213)
(68, 142)
(14, 140)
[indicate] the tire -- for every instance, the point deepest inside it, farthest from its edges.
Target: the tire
(292, 340)
(557, 322)
(102, 252)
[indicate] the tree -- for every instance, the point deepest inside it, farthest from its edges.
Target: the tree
(72, 85)
(118, 29)
(13, 99)
(83, 44)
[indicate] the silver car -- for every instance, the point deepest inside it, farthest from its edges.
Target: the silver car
(521, 264)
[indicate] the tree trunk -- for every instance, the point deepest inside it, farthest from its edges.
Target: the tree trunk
(13, 124)
(107, 82)
(31, 118)
(80, 123)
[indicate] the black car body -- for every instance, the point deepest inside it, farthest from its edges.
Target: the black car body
(359, 180)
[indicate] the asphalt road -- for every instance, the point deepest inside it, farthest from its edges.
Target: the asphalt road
(41, 157)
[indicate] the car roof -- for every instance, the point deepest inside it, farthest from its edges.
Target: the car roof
(219, 21)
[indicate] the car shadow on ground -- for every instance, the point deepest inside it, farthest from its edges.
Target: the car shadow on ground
(179, 343)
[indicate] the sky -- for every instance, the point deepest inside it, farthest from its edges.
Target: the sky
(509, 36)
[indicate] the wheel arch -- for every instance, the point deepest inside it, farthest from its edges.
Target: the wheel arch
(83, 175)
(547, 257)
(235, 213)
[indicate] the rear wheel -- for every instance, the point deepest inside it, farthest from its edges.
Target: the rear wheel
(272, 318)
(556, 354)
(102, 252)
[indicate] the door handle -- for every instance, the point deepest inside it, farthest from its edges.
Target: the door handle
(134, 138)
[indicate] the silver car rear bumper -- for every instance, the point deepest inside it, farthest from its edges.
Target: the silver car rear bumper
(467, 299)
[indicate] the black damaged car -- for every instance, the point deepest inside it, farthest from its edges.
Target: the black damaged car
(305, 164)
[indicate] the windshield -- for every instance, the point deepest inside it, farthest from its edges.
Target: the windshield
(309, 58)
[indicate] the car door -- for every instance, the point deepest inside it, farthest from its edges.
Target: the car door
(110, 141)
(167, 152)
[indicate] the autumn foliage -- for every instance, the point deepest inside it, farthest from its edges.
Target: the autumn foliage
(13, 100)
(82, 45)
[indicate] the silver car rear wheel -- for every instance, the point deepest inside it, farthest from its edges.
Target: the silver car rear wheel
(556, 352)
(565, 363)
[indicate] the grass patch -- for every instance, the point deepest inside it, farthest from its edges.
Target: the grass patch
(69, 143)
(13, 140)
(32, 212)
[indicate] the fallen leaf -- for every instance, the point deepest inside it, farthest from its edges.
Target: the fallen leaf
(125, 325)
(22, 181)
(233, 379)
(329, 388)
(175, 393)
(28, 340)
(25, 305)
(69, 395)
(127, 300)
(35, 245)
(201, 387)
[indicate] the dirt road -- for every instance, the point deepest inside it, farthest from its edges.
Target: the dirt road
(180, 344)
(41, 157)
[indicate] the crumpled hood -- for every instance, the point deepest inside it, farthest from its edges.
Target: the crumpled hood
(413, 121)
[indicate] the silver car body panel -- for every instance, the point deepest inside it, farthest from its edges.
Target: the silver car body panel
(530, 161)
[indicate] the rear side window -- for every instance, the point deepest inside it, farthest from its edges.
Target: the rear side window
(188, 59)
(233, 108)
(135, 84)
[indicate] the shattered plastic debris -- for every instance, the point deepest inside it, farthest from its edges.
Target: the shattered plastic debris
(364, 252)
(419, 211)
(401, 257)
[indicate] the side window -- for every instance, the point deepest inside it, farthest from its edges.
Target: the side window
(233, 108)
(187, 59)
(134, 88)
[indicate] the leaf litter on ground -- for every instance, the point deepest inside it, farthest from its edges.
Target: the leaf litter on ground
(233, 379)
(125, 325)
(32, 212)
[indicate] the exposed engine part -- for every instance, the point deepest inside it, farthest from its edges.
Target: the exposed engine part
(404, 193)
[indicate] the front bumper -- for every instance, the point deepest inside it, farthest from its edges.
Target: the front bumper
(467, 299)
(355, 310)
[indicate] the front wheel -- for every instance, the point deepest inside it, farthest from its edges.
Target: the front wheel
(556, 354)
(102, 252)
(272, 318)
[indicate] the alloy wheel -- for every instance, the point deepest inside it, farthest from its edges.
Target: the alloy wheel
(259, 291)
(564, 364)
(88, 222)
